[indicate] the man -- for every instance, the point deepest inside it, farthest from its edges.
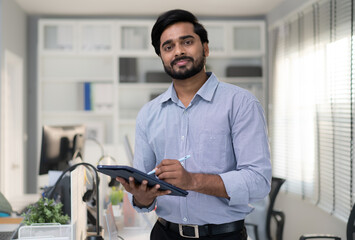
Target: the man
(221, 126)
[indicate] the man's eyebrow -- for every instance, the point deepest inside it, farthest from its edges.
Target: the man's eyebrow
(166, 42)
(181, 38)
(187, 36)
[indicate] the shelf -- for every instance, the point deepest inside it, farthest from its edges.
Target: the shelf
(49, 53)
(77, 114)
(244, 80)
(128, 121)
(77, 67)
(132, 86)
(77, 80)
(247, 54)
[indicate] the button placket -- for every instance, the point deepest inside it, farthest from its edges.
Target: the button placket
(183, 146)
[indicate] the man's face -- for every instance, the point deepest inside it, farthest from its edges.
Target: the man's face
(181, 51)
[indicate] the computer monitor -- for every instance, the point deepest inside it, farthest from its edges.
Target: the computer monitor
(59, 143)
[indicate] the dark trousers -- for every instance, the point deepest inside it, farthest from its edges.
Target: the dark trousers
(159, 232)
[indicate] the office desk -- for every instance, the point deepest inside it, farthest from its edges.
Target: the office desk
(141, 228)
(11, 220)
(8, 226)
(135, 233)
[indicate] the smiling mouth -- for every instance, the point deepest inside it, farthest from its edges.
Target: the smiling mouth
(181, 61)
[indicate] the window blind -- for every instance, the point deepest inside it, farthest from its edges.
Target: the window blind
(312, 104)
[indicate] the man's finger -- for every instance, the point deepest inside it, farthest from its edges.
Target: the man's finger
(144, 185)
(121, 180)
(132, 183)
(162, 193)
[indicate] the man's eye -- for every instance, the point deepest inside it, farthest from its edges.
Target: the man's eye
(188, 42)
(167, 48)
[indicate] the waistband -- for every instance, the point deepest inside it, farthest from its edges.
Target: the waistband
(196, 231)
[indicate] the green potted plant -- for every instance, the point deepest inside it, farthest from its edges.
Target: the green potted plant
(45, 218)
(45, 211)
(116, 196)
(116, 199)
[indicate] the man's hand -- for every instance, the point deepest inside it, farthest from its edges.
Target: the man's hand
(171, 171)
(143, 195)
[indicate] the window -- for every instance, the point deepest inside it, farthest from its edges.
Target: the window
(311, 124)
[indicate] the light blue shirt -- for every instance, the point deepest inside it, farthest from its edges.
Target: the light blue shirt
(224, 131)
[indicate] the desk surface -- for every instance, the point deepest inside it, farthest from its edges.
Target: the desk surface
(135, 233)
(11, 220)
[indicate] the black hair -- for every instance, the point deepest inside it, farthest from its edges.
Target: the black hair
(171, 17)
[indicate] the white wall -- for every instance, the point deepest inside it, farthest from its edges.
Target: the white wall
(1, 165)
(13, 27)
(304, 217)
(13, 36)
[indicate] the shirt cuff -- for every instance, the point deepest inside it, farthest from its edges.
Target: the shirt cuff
(235, 188)
(144, 209)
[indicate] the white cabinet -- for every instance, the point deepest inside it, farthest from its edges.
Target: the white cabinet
(73, 36)
(96, 37)
(237, 54)
(236, 38)
(134, 38)
(57, 36)
(114, 59)
(248, 38)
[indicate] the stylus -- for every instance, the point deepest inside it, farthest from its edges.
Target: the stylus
(180, 160)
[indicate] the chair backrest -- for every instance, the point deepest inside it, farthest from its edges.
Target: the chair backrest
(350, 227)
(276, 184)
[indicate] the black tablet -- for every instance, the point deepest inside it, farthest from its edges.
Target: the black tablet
(126, 172)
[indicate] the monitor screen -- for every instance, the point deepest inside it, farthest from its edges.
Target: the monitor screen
(59, 143)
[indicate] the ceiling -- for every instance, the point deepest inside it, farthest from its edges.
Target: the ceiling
(234, 8)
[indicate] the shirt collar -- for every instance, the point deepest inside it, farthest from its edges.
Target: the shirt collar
(206, 91)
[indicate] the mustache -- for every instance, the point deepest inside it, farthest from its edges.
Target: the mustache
(181, 58)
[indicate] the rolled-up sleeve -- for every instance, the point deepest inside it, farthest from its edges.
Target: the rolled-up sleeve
(251, 180)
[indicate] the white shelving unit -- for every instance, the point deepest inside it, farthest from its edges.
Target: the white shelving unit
(71, 54)
(116, 59)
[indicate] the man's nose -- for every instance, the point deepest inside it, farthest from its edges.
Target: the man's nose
(179, 50)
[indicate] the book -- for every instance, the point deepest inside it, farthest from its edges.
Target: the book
(87, 96)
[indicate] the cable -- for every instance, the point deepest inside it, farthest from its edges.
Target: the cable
(71, 168)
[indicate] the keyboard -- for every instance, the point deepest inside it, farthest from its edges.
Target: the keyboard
(6, 235)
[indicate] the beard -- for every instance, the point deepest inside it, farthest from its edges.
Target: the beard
(185, 72)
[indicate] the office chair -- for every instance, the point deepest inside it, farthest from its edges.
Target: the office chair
(350, 230)
(278, 216)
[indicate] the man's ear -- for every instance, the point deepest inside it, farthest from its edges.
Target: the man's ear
(206, 49)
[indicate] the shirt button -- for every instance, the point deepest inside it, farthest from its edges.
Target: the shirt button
(182, 137)
(184, 219)
(182, 164)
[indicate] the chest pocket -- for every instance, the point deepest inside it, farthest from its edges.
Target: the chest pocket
(212, 151)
